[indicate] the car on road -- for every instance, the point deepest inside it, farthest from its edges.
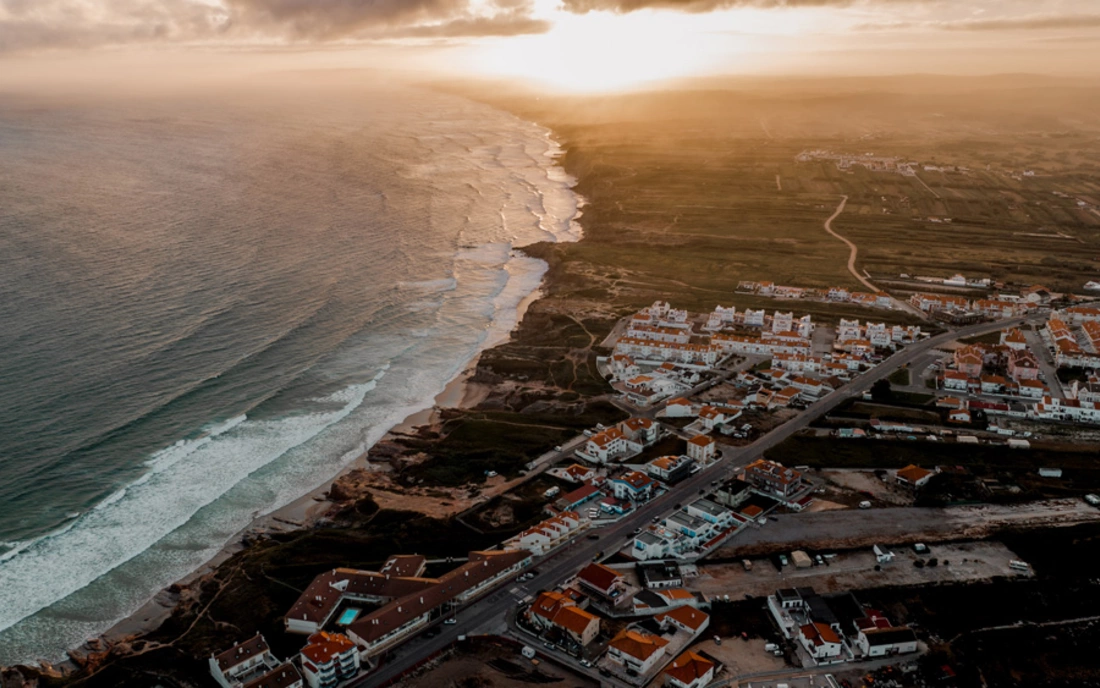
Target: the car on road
(637, 530)
(586, 663)
(1092, 499)
(450, 621)
(655, 519)
(593, 536)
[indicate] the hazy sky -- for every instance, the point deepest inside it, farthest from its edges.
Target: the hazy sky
(583, 44)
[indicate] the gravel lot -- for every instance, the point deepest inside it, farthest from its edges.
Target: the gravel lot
(901, 525)
(969, 561)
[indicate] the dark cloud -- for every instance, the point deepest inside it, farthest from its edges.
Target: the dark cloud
(1033, 22)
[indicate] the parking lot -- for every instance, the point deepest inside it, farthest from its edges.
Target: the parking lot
(966, 561)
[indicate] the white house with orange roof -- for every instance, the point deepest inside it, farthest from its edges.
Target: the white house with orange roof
(545, 536)
(685, 618)
(328, 659)
(1013, 338)
(633, 486)
(670, 469)
(642, 431)
(607, 446)
(552, 609)
(913, 476)
(679, 408)
(969, 360)
(702, 448)
(712, 416)
(636, 650)
(821, 642)
(1080, 314)
(1022, 365)
(956, 380)
(689, 670)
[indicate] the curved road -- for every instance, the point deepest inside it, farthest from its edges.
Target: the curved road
(852, 261)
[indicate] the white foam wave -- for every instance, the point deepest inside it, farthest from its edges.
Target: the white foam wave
(137, 516)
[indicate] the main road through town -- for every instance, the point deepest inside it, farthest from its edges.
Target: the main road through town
(493, 610)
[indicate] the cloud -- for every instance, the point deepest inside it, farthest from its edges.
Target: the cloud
(34, 24)
(1024, 23)
(623, 6)
(28, 25)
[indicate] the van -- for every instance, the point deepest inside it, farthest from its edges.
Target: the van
(1016, 565)
(864, 505)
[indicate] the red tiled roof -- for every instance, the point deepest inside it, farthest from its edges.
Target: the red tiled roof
(241, 652)
(323, 647)
(637, 644)
(599, 576)
(689, 667)
(686, 616)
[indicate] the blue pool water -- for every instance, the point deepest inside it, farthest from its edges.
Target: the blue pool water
(348, 616)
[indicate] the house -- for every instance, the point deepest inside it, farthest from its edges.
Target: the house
(679, 408)
(993, 384)
(1033, 389)
(956, 381)
(710, 512)
(685, 618)
(545, 536)
(691, 526)
(650, 545)
(661, 574)
(1014, 339)
(328, 659)
(961, 416)
(578, 473)
(640, 430)
(969, 360)
(244, 661)
(670, 469)
(608, 445)
(603, 580)
(774, 479)
(879, 642)
(689, 670)
(821, 641)
(283, 676)
(1022, 365)
(555, 610)
(913, 476)
(732, 493)
(633, 486)
(636, 650)
(702, 448)
(571, 501)
(712, 416)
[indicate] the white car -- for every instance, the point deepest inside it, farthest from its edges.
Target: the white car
(1092, 499)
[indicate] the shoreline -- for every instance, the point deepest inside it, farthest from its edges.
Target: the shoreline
(310, 509)
(306, 511)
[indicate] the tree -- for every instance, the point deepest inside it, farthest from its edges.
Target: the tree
(882, 391)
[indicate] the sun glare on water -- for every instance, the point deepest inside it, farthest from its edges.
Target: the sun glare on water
(603, 52)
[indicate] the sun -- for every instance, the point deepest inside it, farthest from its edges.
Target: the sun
(601, 51)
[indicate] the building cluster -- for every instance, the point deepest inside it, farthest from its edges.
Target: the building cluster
(608, 489)
(1008, 369)
(869, 161)
(878, 299)
(960, 310)
(837, 628)
(571, 618)
(1073, 335)
(869, 338)
(701, 525)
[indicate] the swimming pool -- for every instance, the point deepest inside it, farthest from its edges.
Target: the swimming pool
(349, 615)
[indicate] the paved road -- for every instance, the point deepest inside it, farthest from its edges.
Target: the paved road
(493, 611)
(1046, 362)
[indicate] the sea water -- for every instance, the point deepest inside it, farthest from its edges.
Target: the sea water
(208, 306)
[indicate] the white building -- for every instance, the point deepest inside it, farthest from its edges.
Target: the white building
(548, 534)
(328, 659)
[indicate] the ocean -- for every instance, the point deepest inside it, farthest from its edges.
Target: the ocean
(208, 306)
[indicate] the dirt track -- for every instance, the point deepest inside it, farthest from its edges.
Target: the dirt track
(862, 528)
